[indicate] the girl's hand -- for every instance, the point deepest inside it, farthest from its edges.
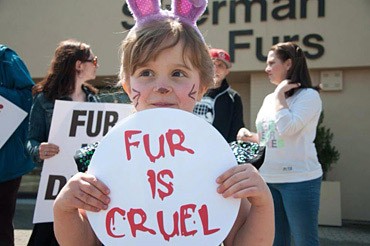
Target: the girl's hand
(244, 181)
(83, 191)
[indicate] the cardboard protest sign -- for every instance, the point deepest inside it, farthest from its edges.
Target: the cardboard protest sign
(11, 116)
(161, 166)
(74, 124)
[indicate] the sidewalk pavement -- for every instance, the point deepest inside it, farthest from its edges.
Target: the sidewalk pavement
(350, 234)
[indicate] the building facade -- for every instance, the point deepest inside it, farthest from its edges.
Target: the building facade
(333, 33)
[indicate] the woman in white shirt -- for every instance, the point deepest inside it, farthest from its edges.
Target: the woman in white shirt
(286, 125)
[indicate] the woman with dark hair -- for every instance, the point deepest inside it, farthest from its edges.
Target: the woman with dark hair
(286, 125)
(73, 64)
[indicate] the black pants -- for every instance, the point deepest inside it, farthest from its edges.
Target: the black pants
(8, 198)
(43, 235)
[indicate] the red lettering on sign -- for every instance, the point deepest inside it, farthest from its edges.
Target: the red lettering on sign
(153, 179)
(128, 136)
(152, 158)
(176, 146)
(109, 221)
(170, 136)
(203, 213)
(186, 213)
(175, 231)
(140, 225)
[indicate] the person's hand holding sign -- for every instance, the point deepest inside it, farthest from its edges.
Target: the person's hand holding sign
(48, 150)
(82, 193)
(243, 181)
(85, 192)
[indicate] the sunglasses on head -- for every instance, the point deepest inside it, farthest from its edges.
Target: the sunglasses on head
(93, 61)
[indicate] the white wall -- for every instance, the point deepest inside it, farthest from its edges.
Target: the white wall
(33, 28)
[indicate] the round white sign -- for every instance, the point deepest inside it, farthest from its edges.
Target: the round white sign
(161, 166)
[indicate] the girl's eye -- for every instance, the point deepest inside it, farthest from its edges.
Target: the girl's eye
(146, 73)
(178, 74)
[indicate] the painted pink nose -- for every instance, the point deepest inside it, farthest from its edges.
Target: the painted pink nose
(162, 90)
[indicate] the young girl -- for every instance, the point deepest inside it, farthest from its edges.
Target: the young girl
(165, 63)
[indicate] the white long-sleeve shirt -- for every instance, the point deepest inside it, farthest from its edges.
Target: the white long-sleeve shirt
(288, 136)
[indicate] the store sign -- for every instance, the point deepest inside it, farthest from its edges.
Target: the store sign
(269, 10)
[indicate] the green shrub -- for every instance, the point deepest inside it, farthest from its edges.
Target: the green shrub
(326, 153)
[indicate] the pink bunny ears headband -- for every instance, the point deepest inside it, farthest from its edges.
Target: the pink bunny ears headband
(187, 11)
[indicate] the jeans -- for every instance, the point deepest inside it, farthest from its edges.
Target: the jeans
(296, 212)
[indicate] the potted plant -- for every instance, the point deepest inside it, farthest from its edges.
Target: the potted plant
(330, 199)
(326, 153)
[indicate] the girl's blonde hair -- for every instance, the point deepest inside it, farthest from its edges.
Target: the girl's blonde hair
(146, 42)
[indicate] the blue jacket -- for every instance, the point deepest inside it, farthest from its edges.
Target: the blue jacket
(15, 86)
(40, 121)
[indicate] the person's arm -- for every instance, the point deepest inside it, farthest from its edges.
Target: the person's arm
(82, 192)
(258, 228)
(37, 144)
(291, 119)
(20, 97)
(36, 130)
(73, 228)
(279, 94)
(255, 223)
(16, 82)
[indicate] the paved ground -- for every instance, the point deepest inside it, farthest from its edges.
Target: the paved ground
(23, 221)
(349, 234)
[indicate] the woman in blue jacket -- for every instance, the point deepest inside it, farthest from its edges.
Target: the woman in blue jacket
(15, 86)
(73, 64)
